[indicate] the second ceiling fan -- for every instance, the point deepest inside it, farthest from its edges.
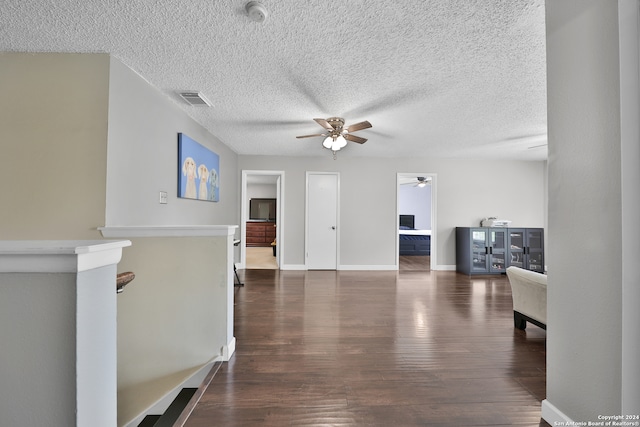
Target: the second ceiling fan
(337, 134)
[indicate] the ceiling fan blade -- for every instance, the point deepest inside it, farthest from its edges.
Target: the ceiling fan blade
(310, 136)
(359, 126)
(354, 138)
(325, 124)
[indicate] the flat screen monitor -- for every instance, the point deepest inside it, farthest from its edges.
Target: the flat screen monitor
(407, 221)
(262, 209)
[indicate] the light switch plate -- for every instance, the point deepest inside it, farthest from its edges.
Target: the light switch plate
(163, 197)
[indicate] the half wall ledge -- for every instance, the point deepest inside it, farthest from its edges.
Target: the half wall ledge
(58, 256)
(167, 231)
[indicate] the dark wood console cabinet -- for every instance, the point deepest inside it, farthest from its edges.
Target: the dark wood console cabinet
(260, 233)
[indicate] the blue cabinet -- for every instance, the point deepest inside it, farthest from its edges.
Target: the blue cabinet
(526, 248)
(490, 250)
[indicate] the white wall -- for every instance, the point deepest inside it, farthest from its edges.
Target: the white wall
(53, 117)
(416, 201)
(511, 189)
(629, 13)
(171, 319)
(587, 205)
(143, 159)
(38, 390)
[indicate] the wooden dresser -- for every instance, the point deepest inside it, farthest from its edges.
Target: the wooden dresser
(260, 233)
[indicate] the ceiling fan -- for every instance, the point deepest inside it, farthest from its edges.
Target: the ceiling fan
(419, 181)
(337, 134)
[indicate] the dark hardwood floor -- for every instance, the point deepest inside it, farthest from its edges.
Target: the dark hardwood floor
(415, 262)
(376, 348)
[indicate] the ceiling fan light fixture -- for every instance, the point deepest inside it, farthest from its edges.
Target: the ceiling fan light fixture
(334, 142)
(337, 135)
(423, 181)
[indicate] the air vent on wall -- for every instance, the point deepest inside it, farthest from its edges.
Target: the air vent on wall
(195, 99)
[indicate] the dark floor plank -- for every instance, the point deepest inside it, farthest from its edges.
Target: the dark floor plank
(414, 262)
(359, 348)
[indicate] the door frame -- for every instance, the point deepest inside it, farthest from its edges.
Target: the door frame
(243, 214)
(434, 219)
(306, 217)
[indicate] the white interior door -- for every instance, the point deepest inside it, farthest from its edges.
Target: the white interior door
(322, 221)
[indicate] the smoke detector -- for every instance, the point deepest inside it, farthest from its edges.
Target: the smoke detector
(256, 11)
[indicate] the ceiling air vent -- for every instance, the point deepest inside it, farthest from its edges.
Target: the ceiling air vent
(195, 99)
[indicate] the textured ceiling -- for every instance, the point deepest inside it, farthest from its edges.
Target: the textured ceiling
(448, 78)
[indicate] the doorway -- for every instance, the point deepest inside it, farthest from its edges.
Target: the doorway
(322, 229)
(416, 244)
(261, 226)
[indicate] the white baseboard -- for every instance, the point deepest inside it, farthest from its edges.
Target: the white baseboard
(293, 267)
(302, 267)
(228, 350)
(368, 267)
(554, 416)
(242, 266)
(161, 405)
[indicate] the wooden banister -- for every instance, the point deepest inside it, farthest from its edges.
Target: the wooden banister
(123, 279)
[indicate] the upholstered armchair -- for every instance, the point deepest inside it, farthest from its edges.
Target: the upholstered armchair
(529, 292)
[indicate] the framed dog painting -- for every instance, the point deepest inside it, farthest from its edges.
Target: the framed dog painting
(198, 171)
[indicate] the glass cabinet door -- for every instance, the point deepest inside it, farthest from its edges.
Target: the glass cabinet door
(535, 250)
(536, 262)
(479, 250)
(516, 248)
(497, 250)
